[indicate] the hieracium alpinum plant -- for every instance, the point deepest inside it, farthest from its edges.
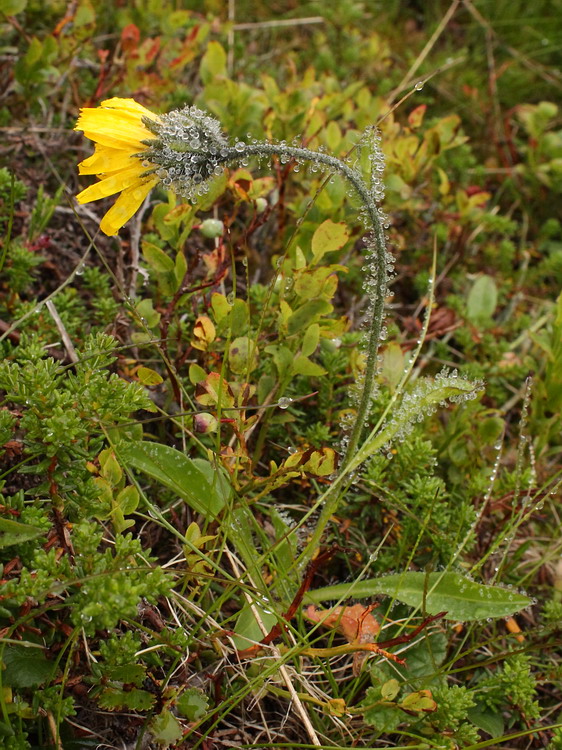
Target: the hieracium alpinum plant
(184, 150)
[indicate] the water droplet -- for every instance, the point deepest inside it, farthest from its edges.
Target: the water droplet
(419, 86)
(284, 402)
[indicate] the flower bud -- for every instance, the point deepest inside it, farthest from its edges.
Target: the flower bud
(261, 205)
(204, 423)
(211, 228)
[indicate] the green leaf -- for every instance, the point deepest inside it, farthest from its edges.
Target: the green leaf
(145, 309)
(462, 599)
(11, 7)
(385, 717)
(482, 300)
(282, 357)
(390, 689)
(213, 63)
(132, 700)
(239, 316)
(13, 532)
(165, 729)
(310, 340)
(304, 366)
(196, 373)
(192, 704)
(128, 499)
(420, 702)
(393, 365)
(424, 657)
(328, 237)
(243, 355)
(157, 258)
(25, 667)
(247, 632)
(179, 473)
(109, 468)
(307, 314)
(490, 722)
(127, 673)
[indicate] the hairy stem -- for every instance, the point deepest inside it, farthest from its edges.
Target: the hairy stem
(240, 151)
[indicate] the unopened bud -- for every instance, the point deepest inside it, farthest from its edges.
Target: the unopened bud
(211, 228)
(204, 423)
(261, 205)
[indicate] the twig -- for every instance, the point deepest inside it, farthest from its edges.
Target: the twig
(50, 305)
(279, 22)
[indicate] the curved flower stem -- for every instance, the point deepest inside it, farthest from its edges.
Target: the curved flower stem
(377, 283)
(243, 150)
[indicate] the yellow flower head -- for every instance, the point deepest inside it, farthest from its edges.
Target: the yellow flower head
(120, 135)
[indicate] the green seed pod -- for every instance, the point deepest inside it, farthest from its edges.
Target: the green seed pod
(211, 228)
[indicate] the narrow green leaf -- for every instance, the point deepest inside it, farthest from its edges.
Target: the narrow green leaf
(13, 532)
(461, 598)
(179, 473)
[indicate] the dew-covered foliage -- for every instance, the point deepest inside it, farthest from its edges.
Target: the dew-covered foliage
(280, 461)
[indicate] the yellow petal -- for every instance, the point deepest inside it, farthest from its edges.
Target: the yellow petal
(125, 206)
(128, 105)
(113, 128)
(105, 160)
(113, 184)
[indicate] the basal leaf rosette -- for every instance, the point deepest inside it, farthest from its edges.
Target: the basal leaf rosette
(119, 129)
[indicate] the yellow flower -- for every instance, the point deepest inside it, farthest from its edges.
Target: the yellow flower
(118, 130)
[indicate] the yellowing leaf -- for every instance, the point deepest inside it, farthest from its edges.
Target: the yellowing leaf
(149, 377)
(328, 237)
(415, 118)
(419, 702)
(204, 333)
(243, 355)
(214, 390)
